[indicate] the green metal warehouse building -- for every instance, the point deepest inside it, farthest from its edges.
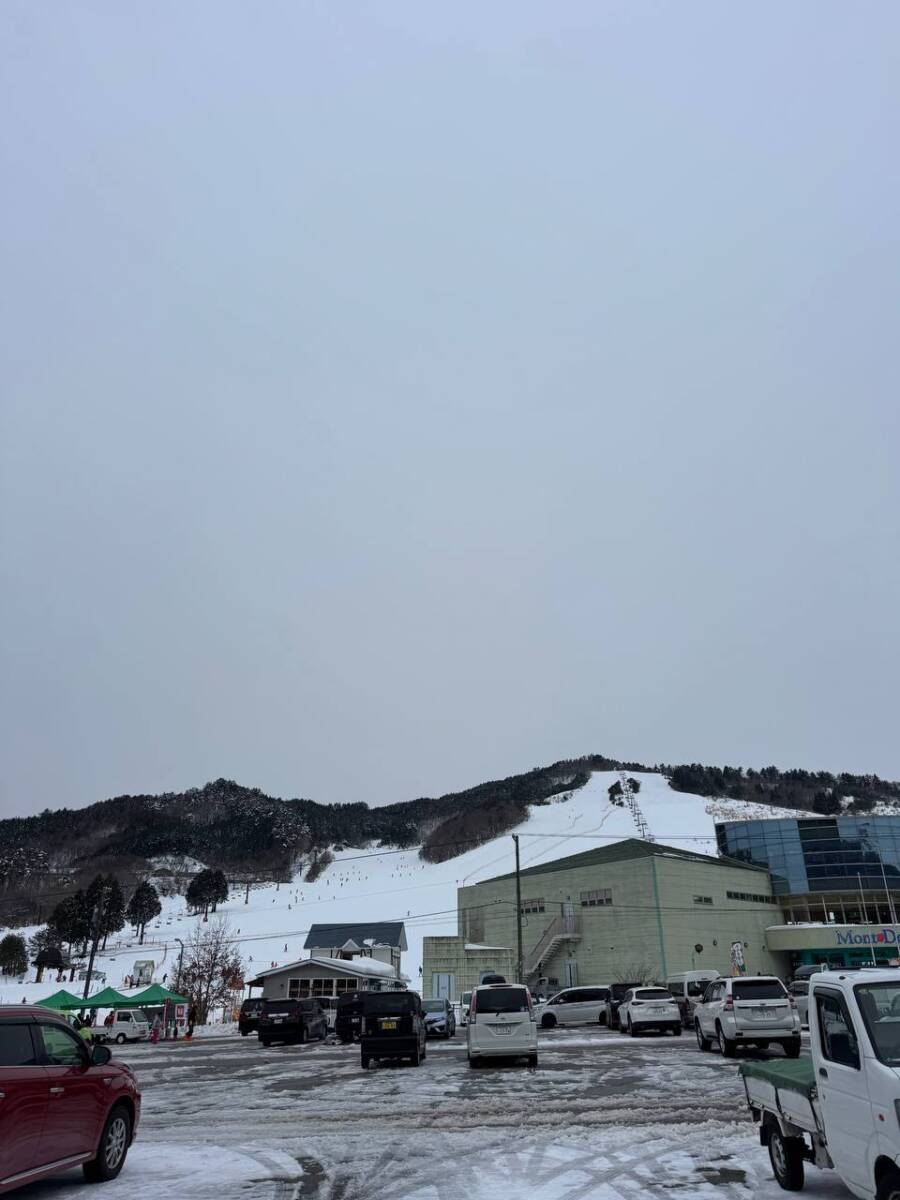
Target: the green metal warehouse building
(631, 910)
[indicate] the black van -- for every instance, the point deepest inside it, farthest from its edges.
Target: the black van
(248, 1019)
(291, 1021)
(392, 1027)
(348, 1016)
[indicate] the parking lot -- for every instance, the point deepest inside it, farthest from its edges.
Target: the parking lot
(603, 1116)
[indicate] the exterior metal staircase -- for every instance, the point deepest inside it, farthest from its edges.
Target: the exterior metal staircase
(561, 929)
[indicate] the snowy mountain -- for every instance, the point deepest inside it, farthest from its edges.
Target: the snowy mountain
(396, 884)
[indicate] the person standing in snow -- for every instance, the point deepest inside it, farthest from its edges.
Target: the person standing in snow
(192, 1020)
(156, 1029)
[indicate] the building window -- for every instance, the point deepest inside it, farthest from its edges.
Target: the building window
(298, 989)
(597, 897)
(751, 897)
(323, 987)
(346, 985)
(535, 905)
(703, 899)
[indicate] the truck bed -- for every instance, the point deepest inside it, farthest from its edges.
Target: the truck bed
(794, 1074)
(785, 1087)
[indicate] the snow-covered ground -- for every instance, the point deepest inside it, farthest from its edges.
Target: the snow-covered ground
(365, 884)
(603, 1117)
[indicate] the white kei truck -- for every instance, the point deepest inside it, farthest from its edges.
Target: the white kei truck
(840, 1107)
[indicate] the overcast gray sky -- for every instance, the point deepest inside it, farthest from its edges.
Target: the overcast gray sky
(398, 395)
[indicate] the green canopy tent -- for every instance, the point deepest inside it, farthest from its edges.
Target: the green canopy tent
(62, 1001)
(108, 998)
(155, 995)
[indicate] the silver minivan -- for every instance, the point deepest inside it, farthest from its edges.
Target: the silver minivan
(751, 1010)
(501, 1024)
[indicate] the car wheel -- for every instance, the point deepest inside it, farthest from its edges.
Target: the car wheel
(792, 1048)
(424, 1051)
(702, 1042)
(244, 1032)
(265, 1042)
(548, 1021)
(889, 1187)
(474, 1062)
(676, 1029)
(304, 1036)
(120, 1039)
(532, 1060)
(364, 1062)
(786, 1157)
(416, 1058)
(726, 1046)
(114, 1145)
(630, 1029)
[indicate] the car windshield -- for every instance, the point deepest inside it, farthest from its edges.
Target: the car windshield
(434, 1006)
(758, 989)
(652, 994)
(389, 1004)
(467, 997)
(696, 987)
(502, 999)
(879, 1004)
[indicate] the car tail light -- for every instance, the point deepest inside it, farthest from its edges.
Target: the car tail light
(472, 1008)
(728, 1006)
(792, 1002)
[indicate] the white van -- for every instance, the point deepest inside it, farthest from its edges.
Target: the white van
(128, 1025)
(575, 1006)
(501, 1024)
(687, 988)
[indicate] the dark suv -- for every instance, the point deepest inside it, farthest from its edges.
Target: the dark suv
(392, 1027)
(348, 1016)
(616, 996)
(248, 1020)
(291, 1021)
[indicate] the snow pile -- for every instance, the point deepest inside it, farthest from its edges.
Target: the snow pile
(363, 884)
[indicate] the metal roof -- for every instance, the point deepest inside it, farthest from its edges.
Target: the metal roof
(630, 848)
(365, 934)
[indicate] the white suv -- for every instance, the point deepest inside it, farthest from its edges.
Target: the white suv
(649, 1008)
(575, 1006)
(752, 1010)
(501, 1024)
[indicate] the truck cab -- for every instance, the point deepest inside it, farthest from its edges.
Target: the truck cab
(841, 1107)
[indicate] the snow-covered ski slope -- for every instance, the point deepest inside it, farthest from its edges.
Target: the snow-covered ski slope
(364, 884)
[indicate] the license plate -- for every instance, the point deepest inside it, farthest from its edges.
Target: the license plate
(277, 1020)
(388, 1024)
(503, 1029)
(657, 1010)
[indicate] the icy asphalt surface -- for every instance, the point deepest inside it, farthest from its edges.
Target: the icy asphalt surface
(603, 1117)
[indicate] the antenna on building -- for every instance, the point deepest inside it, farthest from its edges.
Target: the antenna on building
(637, 816)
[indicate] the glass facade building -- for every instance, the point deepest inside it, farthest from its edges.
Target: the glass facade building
(820, 856)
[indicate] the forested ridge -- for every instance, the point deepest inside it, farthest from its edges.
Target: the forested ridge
(248, 834)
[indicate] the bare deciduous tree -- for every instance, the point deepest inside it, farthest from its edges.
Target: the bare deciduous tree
(212, 971)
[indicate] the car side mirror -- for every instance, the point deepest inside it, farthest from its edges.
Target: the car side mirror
(100, 1056)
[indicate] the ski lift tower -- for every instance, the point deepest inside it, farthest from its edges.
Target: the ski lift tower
(637, 816)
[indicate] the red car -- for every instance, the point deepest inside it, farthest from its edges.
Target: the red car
(63, 1103)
